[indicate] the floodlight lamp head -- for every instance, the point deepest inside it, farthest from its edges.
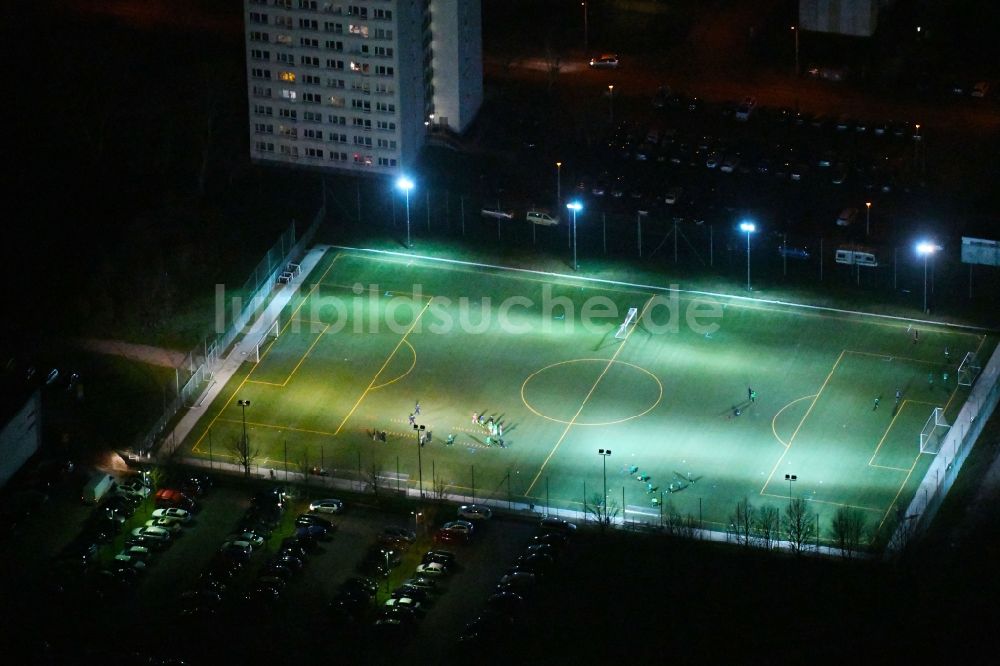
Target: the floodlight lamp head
(925, 248)
(575, 206)
(748, 227)
(404, 184)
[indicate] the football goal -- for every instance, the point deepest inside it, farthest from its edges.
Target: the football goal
(968, 370)
(630, 319)
(933, 432)
(269, 336)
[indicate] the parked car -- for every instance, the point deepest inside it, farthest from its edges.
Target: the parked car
(310, 519)
(168, 524)
(311, 531)
(401, 533)
(408, 603)
(463, 526)
(557, 525)
(252, 538)
(412, 592)
(173, 513)
(452, 537)
(445, 557)
(326, 506)
(422, 582)
(474, 512)
(433, 569)
(605, 61)
(152, 532)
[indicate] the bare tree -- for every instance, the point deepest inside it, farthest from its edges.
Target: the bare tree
(766, 526)
(439, 488)
(246, 457)
(604, 514)
(849, 531)
(742, 522)
(799, 526)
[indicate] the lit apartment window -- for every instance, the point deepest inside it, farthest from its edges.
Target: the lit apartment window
(360, 30)
(288, 77)
(284, 40)
(361, 67)
(339, 102)
(289, 94)
(362, 160)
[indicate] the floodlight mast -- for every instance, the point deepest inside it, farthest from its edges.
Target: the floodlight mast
(574, 206)
(604, 453)
(749, 228)
(926, 249)
(406, 184)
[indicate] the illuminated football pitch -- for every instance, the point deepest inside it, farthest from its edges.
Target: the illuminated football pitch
(370, 336)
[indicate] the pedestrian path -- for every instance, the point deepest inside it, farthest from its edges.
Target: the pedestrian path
(242, 350)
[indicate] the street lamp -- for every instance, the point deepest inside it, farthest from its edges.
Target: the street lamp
(420, 429)
(926, 249)
(611, 97)
(604, 453)
(406, 185)
(868, 217)
(558, 184)
(749, 228)
(416, 520)
(795, 31)
(245, 452)
(574, 206)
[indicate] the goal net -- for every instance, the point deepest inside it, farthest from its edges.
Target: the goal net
(933, 432)
(968, 370)
(269, 336)
(630, 319)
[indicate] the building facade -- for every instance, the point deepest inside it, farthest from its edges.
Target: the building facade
(355, 86)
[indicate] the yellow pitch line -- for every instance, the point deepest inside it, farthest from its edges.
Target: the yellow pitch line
(260, 381)
(886, 433)
(818, 501)
(387, 360)
(804, 417)
(898, 493)
(895, 469)
(271, 426)
(243, 383)
(593, 388)
(775, 430)
(408, 371)
(892, 357)
(304, 356)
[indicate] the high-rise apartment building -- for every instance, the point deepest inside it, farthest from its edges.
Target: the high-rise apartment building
(355, 86)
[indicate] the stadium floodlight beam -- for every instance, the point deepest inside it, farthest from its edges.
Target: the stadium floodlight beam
(749, 228)
(406, 184)
(604, 453)
(926, 249)
(576, 207)
(246, 444)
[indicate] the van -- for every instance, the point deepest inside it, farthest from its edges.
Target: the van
(856, 256)
(97, 487)
(542, 218)
(847, 217)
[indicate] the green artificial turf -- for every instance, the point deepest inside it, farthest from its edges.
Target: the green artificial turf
(664, 399)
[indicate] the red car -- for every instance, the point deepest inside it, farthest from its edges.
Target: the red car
(167, 498)
(450, 536)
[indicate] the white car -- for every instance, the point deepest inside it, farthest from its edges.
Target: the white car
(474, 512)
(179, 515)
(326, 506)
(463, 526)
(124, 558)
(238, 544)
(157, 533)
(251, 538)
(168, 524)
(432, 570)
(404, 602)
